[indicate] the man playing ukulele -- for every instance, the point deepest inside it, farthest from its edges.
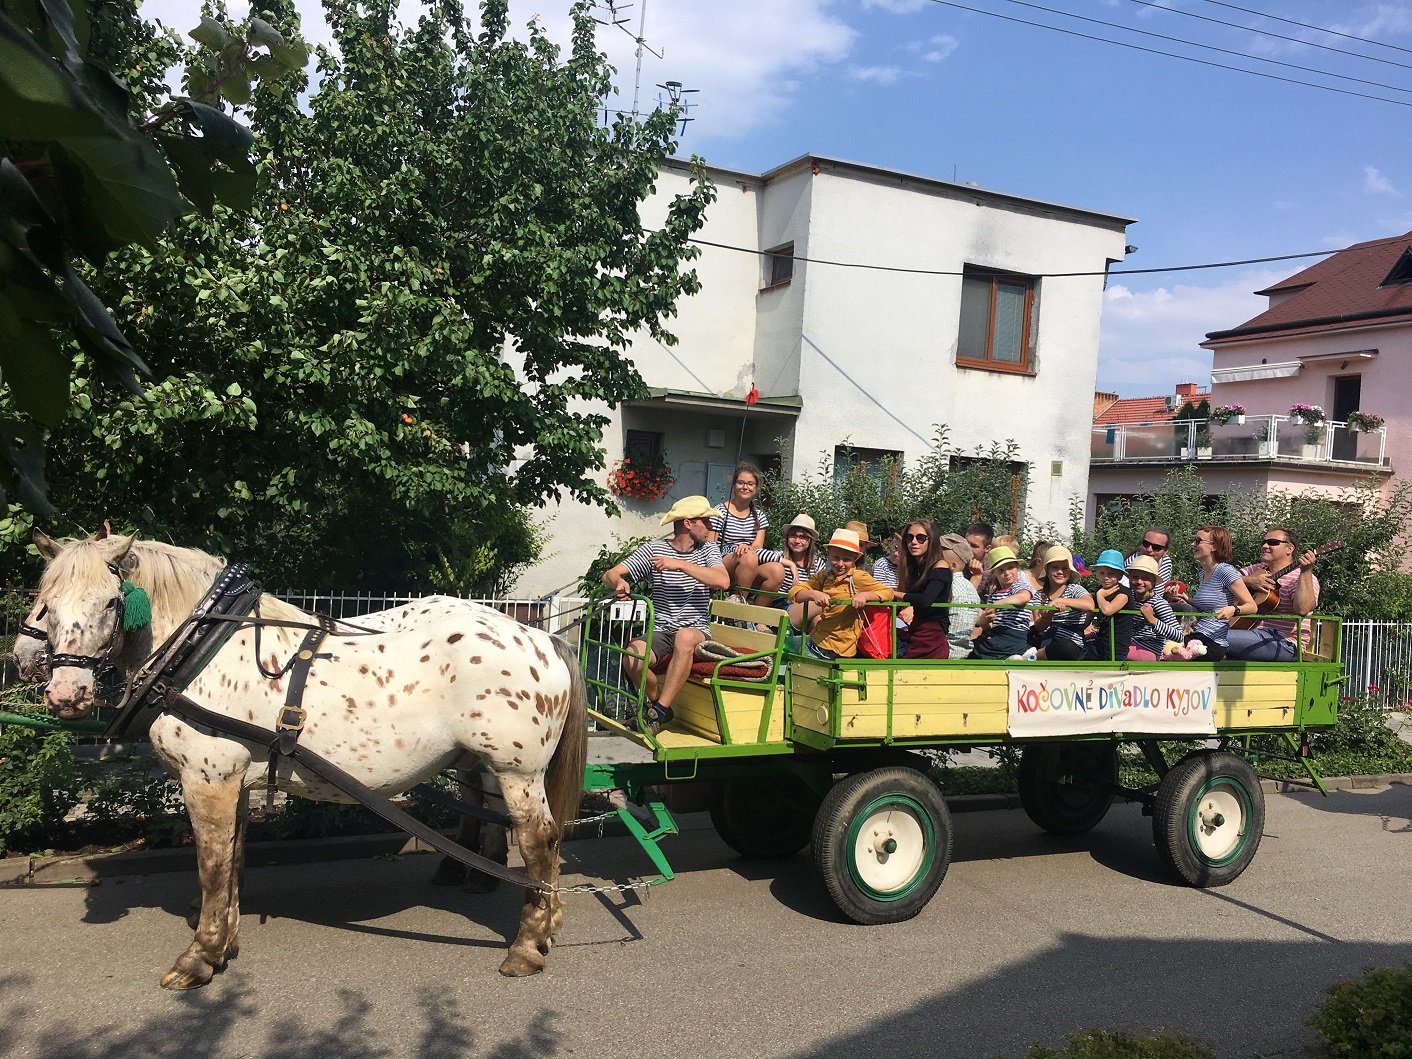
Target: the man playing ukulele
(1278, 574)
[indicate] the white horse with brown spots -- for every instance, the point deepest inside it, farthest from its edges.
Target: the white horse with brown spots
(442, 678)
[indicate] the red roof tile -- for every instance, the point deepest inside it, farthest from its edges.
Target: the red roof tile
(1341, 291)
(1143, 410)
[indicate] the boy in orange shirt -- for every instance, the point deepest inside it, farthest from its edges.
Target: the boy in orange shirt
(835, 600)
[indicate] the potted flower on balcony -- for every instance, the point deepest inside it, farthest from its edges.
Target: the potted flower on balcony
(1363, 421)
(641, 476)
(1313, 417)
(1229, 413)
(1203, 442)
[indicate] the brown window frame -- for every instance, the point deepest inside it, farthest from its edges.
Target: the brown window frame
(988, 363)
(773, 258)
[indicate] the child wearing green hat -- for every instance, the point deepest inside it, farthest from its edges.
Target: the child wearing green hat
(1002, 628)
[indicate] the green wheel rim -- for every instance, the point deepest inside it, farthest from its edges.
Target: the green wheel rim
(1207, 839)
(904, 821)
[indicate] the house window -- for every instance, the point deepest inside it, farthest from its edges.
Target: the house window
(779, 265)
(996, 313)
(871, 462)
(642, 443)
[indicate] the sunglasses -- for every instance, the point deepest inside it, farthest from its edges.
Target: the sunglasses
(1153, 547)
(1270, 542)
(922, 537)
(1200, 540)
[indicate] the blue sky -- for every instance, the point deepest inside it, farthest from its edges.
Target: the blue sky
(1216, 165)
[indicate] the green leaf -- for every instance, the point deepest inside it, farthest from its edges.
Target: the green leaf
(211, 33)
(235, 188)
(236, 88)
(220, 128)
(34, 366)
(193, 170)
(29, 464)
(38, 99)
(132, 192)
(261, 32)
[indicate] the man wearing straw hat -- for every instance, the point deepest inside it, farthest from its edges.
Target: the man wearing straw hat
(684, 569)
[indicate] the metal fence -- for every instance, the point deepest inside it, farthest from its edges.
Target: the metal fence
(1377, 658)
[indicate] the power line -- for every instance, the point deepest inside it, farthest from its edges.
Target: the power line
(1053, 275)
(1272, 33)
(1207, 47)
(1306, 25)
(1172, 55)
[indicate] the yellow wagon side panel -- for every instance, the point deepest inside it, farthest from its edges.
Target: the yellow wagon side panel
(695, 708)
(744, 708)
(949, 701)
(809, 701)
(1247, 698)
(862, 716)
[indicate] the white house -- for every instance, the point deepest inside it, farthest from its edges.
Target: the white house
(992, 335)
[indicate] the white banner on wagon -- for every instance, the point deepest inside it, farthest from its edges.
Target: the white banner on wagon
(1172, 701)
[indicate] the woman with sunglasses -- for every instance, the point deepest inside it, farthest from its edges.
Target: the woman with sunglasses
(1221, 594)
(924, 582)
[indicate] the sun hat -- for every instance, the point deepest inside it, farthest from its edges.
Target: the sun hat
(803, 521)
(861, 528)
(999, 556)
(846, 540)
(689, 507)
(1059, 554)
(1111, 558)
(1144, 564)
(958, 546)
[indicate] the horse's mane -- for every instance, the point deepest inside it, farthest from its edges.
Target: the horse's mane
(175, 578)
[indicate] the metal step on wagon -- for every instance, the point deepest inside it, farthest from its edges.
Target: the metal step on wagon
(835, 755)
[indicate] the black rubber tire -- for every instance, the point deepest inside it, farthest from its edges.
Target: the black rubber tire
(906, 806)
(1059, 806)
(1191, 823)
(763, 819)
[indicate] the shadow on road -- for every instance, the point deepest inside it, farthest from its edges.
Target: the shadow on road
(1393, 804)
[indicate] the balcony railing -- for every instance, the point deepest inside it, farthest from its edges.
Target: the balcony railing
(1257, 438)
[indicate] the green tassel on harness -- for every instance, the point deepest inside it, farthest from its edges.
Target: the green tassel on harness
(137, 607)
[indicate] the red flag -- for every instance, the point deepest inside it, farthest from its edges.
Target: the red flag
(752, 396)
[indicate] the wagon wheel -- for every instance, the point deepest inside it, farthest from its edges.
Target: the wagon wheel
(1209, 817)
(882, 842)
(1062, 785)
(762, 819)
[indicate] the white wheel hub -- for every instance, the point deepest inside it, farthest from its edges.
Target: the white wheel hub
(890, 849)
(1220, 823)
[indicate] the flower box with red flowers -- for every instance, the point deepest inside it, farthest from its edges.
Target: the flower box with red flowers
(641, 476)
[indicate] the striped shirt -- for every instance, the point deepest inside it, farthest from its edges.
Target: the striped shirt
(774, 555)
(678, 599)
(1154, 637)
(1070, 623)
(731, 529)
(1009, 617)
(1212, 594)
(885, 572)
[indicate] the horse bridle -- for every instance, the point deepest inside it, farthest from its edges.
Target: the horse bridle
(93, 663)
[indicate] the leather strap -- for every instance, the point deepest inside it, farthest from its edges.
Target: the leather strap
(180, 706)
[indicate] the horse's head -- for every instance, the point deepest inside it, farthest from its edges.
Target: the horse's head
(80, 610)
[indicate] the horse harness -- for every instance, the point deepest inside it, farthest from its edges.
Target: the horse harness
(160, 685)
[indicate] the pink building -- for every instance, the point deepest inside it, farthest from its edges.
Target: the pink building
(1338, 336)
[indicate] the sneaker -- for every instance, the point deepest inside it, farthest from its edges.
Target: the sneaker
(655, 717)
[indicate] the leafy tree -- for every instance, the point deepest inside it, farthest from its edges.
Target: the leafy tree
(372, 373)
(96, 156)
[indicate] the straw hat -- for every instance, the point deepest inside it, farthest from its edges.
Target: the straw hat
(689, 507)
(804, 522)
(846, 540)
(1144, 564)
(861, 529)
(1000, 556)
(1059, 554)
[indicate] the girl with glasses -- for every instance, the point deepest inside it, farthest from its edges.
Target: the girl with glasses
(924, 582)
(739, 530)
(1221, 594)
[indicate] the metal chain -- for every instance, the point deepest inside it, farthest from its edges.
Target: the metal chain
(610, 815)
(613, 889)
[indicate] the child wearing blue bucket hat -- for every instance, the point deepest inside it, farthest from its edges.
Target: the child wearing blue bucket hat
(1114, 629)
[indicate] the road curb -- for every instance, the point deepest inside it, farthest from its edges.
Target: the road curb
(92, 869)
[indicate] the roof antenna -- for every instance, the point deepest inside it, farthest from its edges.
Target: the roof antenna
(675, 92)
(617, 17)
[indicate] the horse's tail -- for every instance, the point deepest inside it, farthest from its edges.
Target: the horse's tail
(564, 779)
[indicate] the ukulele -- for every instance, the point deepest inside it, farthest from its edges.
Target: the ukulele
(1270, 601)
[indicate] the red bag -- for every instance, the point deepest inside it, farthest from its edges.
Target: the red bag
(875, 641)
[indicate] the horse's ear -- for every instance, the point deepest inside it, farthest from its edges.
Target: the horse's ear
(48, 549)
(104, 531)
(116, 547)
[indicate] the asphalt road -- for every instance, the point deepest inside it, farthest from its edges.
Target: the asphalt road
(1030, 938)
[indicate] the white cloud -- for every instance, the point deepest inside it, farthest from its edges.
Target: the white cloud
(897, 7)
(940, 47)
(1374, 183)
(882, 75)
(1150, 339)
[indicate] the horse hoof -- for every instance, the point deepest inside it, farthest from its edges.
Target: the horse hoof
(477, 882)
(450, 872)
(517, 966)
(189, 973)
